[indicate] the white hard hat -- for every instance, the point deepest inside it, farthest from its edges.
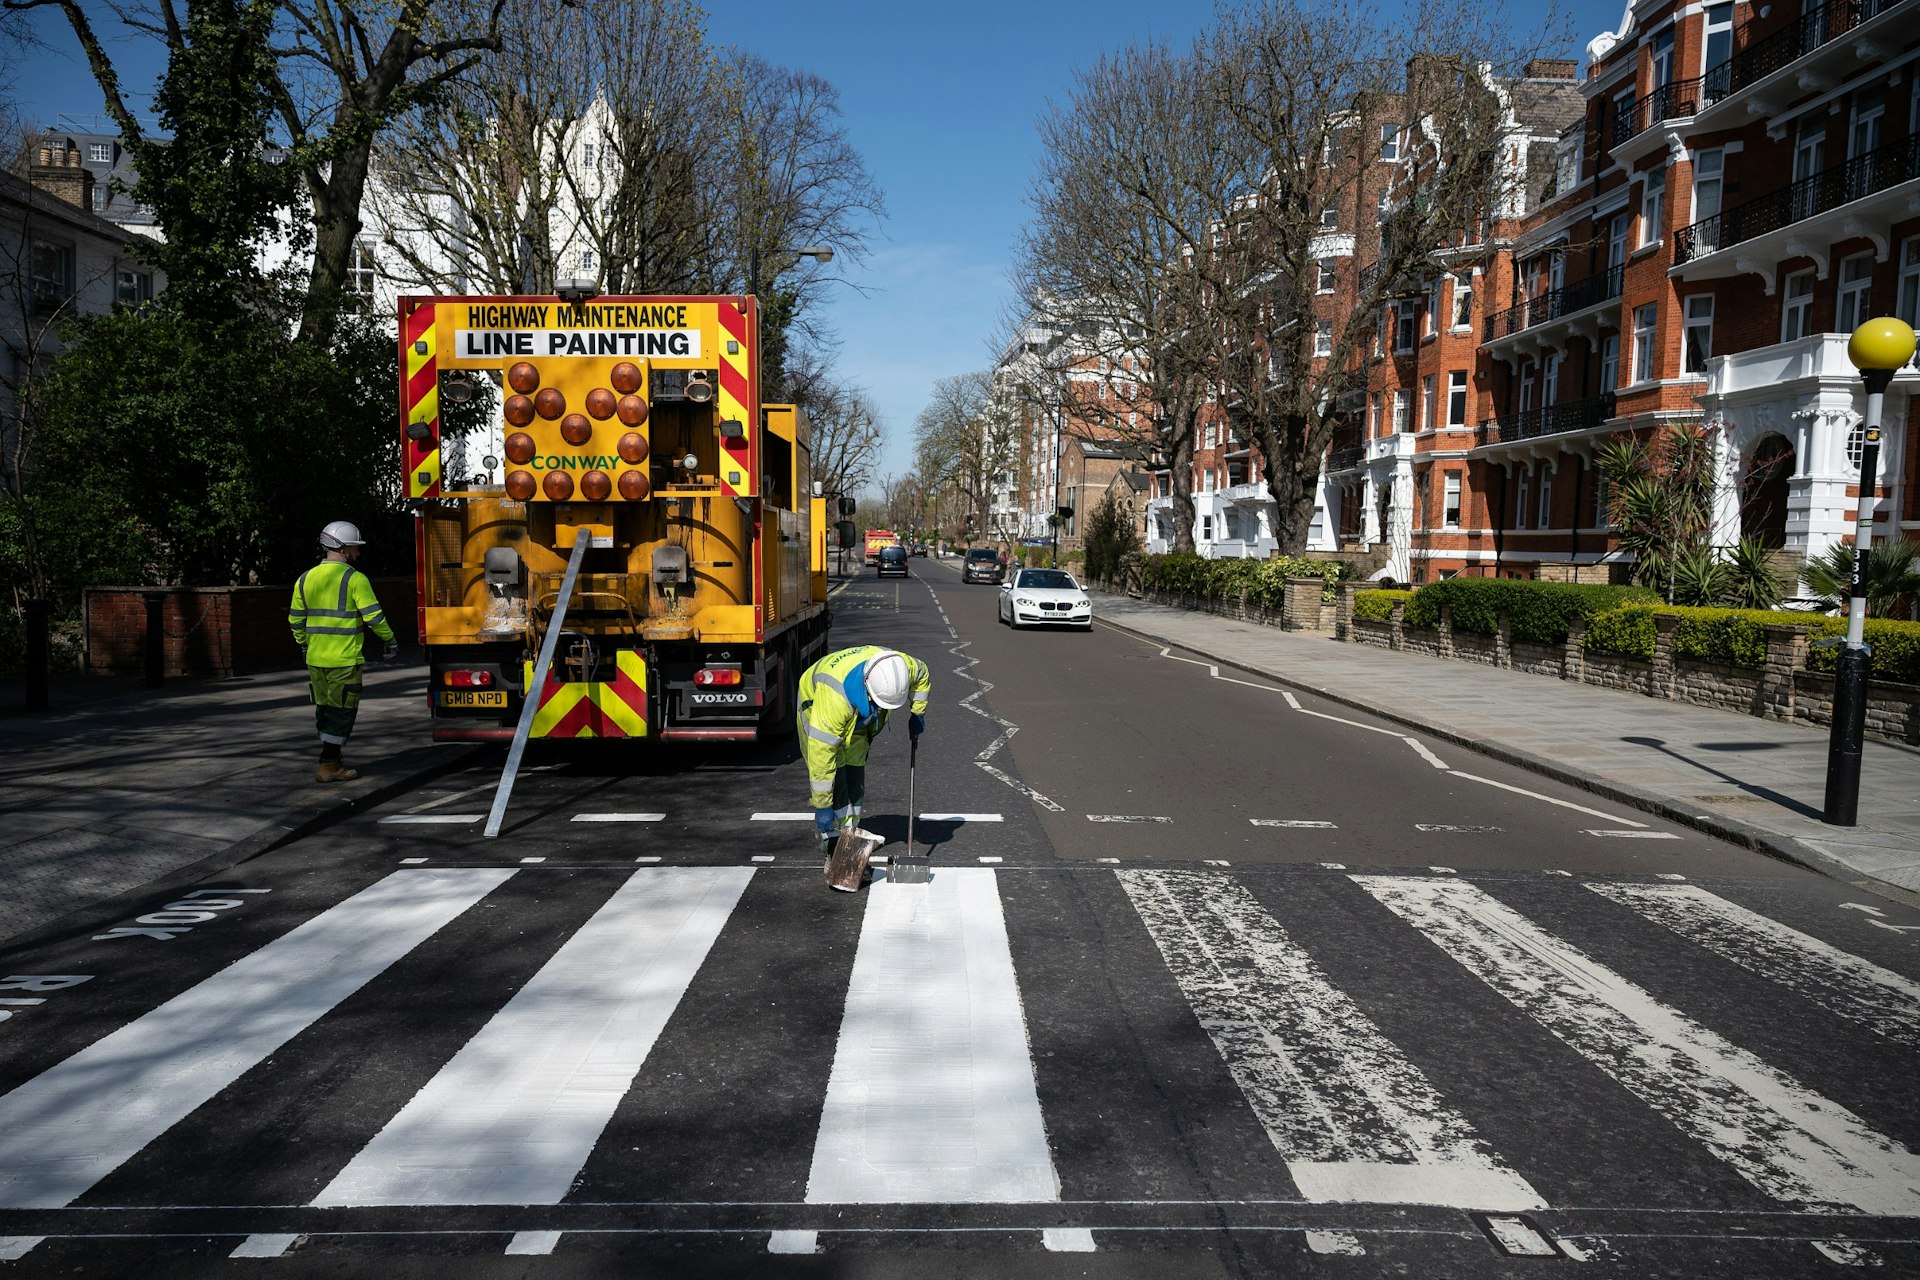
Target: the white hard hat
(341, 534)
(887, 680)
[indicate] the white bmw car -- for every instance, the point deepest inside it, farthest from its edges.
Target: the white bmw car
(1046, 598)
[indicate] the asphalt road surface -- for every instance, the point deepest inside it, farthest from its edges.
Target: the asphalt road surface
(1211, 979)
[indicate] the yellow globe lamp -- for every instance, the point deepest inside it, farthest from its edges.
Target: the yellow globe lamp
(1881, 343)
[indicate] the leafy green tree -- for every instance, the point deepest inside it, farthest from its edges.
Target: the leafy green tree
(1111, 537)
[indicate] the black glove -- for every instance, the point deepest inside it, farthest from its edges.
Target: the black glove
(916, 725)
(393, 652)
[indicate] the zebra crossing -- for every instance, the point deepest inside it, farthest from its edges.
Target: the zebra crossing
(962, 1064)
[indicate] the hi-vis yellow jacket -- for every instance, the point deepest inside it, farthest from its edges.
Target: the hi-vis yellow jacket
(832, 734)
(331, 602)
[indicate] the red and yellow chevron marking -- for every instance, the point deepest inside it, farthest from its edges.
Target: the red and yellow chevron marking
(420, 401)
(739, 466)
(614, 709)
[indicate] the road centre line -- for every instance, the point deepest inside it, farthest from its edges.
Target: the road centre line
(1535, 795)
(987, 753)
(619, 817)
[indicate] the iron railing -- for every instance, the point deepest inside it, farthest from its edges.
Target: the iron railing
(1555, 303)
(1667, 102)
(1862, 176)
(1788, 45)
(1550, 420)
(1346, 459)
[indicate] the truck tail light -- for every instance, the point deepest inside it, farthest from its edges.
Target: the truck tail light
(707, 677)
(469, 679)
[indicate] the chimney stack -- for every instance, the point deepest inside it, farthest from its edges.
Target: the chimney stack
(58, 171)
(1552, 69)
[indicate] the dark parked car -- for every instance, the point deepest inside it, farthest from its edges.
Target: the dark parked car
(892, 560)
(983, 565)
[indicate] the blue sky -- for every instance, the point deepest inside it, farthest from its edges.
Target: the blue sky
(941, 100)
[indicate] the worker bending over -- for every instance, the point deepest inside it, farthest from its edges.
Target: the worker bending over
(844, 701)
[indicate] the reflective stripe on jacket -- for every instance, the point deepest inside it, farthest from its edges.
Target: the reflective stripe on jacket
(331, 603)
(832, 733)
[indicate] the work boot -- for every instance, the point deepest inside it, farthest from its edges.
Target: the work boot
(335, 771)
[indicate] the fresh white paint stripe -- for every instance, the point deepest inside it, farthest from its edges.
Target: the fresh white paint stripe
(73, 1124)
(961, 817)
(1292, 822)
(264, 1246)
(783, 817)
(1425, 753)
(14, 1248)
(1535, 795)
(793, 1242)
(1125, 817)
(1858, 990)
(1067, 1239)
(619, 817)
(1790, 1142)
(932, 1096)
(432, 819)
(1353, 1118)
(532, 1244)
(1631, 835)
(512, 1117)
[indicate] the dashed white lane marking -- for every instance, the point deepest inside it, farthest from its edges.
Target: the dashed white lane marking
(1787, 1140)
(989, 859)
(1535, 795)
(76, 1122)
(1443, 871)
(782, 817)
(763, 857)
(1217, 862)
(532, 1244)
(1354, 1119)
(1630, 835)
(1125, 817)
(619, 817)
(1115, 861)
(1518, 1239)
(961, 817)
(932, 1097)
(1847, 1253)
(1443, 826)
(432, 819)
(1292, 822)
(793, 1242)
(411, 862)
(14, 1248)
(1669, 875)
(1067, 1239)
(533, 859)
(1338, 1244)
(514, 1114)
(1334, 866)
(1858, 990)
(651, 857)
(264, 1246)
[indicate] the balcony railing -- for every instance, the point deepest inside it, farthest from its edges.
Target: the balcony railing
(1552, 420)
(1862, 176)
(1346, 459)
(1555, 303)
(1788, 45)
(1668, 102)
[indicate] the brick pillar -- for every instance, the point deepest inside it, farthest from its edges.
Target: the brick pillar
(1786, 654)
(1664, 626)
(1446, 631)
(1573, 662)
(1343, 609)
(1300, 609)
(1398, 620)
(1503, 643)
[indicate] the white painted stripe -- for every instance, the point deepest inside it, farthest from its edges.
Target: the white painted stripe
(1125, 817)
(1115, 861)
(532, 1244)
(1021, 787)
(1535, 795)
(1442, 826)
(14, 1248)
(73, 1124)
(961, 817)
(264, 1246)
(1847, 1253)
(411, 862)
(1425, 753)
(793, 1242)
(1292, 822)
(1338, 1244)
(932, 1096)
(619, 817)
(432, 819)
(651, 857)
(763, 857)
(1519, 1239)
(783, 817)
(1216, 862)
(512, 1117)
(1067, 1239)
(1843, 984)
(1334, 866)
(991, 859)
(1670, 875)
(1785, 1139)
(1353, 1118)
(1631, 835)
(530, 860)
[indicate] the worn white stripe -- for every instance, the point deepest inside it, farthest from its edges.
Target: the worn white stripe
(73, 1124)
(932, 1095)
(1067, 1239)
(1519, 1239)
(266, 1245)
(1790, 1142)
(1292, 822)
(1353, 1118)
(1125, 817)
(14, 1248)
(532, 1244)
(512, 1117)
(1535, 795)
(1337, 1244)
(432, 819)
(620, 817)
(1858, 990)
(1021, 787)
(1631, 835)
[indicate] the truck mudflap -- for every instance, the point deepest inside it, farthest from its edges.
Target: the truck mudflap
(615, 708)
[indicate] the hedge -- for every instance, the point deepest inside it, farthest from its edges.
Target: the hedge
(1738, 638)
(1377, 605)
(1263, 582)
(1896, 649)
(1540, 611)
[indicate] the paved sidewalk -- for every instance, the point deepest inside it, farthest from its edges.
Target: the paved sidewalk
(1758, 782)
(117, 786)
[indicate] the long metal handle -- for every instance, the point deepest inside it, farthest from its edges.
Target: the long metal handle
(913, 755)
(530, 705)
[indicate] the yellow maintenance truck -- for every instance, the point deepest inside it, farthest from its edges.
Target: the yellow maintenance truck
(653, 536)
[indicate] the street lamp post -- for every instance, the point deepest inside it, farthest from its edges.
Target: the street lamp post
(1877, 348)
(818, 252)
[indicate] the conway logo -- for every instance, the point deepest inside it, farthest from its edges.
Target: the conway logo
(591, 462)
